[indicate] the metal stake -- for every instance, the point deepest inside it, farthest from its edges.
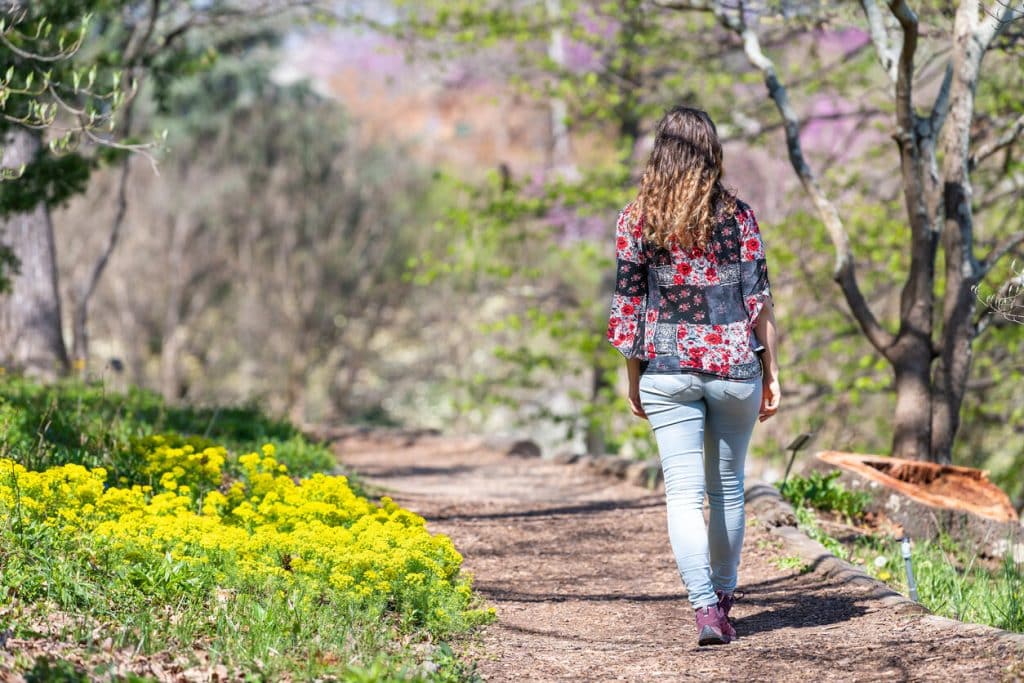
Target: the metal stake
(798, 443)
(911, 584)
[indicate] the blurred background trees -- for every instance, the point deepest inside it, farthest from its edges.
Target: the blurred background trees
(402, 212)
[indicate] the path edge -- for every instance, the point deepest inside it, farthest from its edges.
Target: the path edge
(766, 504)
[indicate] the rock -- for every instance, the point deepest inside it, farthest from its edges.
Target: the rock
(523, 448)
(612, 465)
(646, 473)
(565, 457)
(766, 503)
(511, 446)
(1003, 548)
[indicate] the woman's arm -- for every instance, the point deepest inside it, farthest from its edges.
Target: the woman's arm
(767, 333)
(633, 371)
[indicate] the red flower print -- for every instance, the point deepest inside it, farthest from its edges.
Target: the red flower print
(621, 243)
(636, 300)
(683, 268)
(627, 309)
(713, 338)
(710, 273)
(677, 279)
(752, 244)
(650, 350)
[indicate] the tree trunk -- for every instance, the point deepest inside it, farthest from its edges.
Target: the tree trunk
(912, 421)
(31, 338)
(80, 308)
(963, 271)
(174, 331)
(560, 149)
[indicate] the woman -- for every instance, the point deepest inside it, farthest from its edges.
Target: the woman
(692, 314)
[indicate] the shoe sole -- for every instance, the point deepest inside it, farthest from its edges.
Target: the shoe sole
(709, 636)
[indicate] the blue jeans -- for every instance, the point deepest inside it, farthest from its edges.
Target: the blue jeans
(703, 425)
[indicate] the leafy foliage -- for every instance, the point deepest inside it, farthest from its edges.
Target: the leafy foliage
(824, 492)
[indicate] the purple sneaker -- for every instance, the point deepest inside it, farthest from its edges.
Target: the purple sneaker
(725, 603)
(710, 629)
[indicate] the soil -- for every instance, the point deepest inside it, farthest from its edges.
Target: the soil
(579, 569)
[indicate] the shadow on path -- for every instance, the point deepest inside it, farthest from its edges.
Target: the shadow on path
(580, 509)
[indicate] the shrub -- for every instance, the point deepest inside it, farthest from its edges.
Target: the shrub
(825, 492)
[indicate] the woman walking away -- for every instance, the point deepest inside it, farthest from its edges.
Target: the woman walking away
(692, 314)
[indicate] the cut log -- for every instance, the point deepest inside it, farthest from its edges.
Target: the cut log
(927, 498)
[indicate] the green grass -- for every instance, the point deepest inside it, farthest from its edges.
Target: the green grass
(73, 590)
(791, 563)
(75, 422)
(951, 581)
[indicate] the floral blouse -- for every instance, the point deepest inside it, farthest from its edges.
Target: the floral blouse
(689, 310)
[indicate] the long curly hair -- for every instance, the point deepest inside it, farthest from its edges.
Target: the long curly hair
(681, 192)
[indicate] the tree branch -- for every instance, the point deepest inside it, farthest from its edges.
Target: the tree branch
(905, 67)
(1001, 250)
(1002, 303)
(941, 106)
(1002, 142)
(996, 22)
(880, 38)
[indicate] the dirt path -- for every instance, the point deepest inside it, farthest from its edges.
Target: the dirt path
(581, 574)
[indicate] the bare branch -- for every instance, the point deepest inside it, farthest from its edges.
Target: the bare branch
(996, 21)
(694, 5)
(880, 37)
(1002, 142)
(941, 106)
(905, 67)
(1001, 250)
(1007, 303)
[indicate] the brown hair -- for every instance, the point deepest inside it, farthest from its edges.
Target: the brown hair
(681, 190)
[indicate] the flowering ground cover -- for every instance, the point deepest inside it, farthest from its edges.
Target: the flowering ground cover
(194, 546)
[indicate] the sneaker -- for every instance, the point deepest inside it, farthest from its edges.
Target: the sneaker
(725, 603)
(710, 629)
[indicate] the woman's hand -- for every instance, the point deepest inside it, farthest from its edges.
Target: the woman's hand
(633, 375)
(770, 397)
(634, 403)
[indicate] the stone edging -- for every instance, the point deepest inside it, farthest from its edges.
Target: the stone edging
(765, 503)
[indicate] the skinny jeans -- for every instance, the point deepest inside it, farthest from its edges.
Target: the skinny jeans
(703, 425)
